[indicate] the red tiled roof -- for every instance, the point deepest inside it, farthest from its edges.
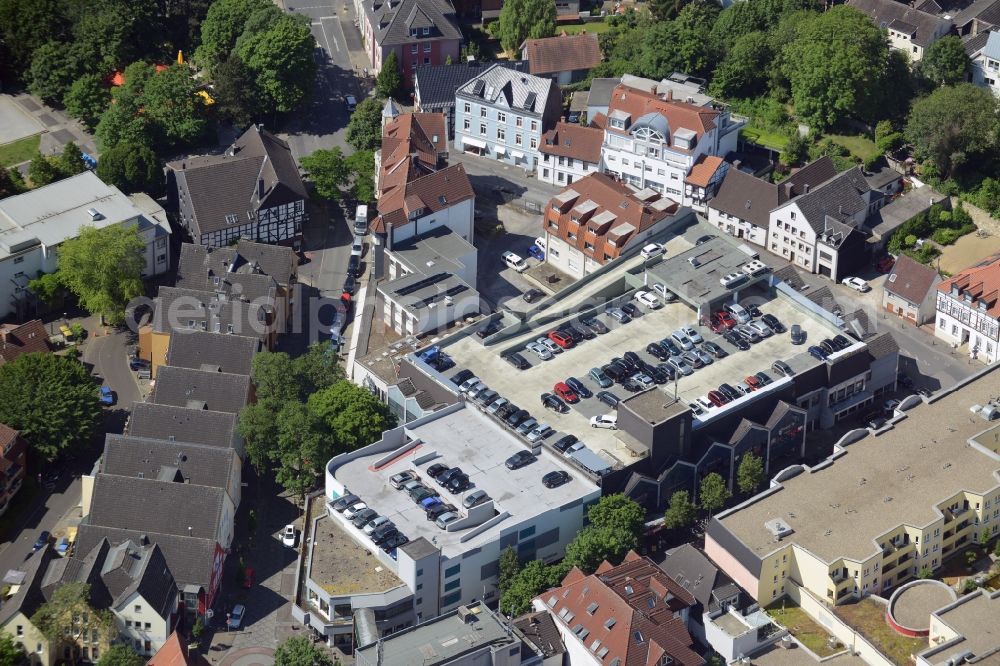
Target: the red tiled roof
(7, 435)
(565, 53)
(433, 192)
(910, 280)
(175, 653)
(411, 145)
(703, 170)
(600, 121)
(608, 214)
(637, 103)
(981, 281)
(572, 140)
(625, 613)
(17, 339)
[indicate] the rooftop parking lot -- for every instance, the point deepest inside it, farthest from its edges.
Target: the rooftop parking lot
(524, 388)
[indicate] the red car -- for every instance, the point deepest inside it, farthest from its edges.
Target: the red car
(726, 319)
(715, 323)
(566, 393)
(753, 382)
(717, 398)
(561, 339)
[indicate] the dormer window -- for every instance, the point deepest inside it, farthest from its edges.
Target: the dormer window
(425, 31)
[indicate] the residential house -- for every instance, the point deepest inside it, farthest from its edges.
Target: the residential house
(253, 191)
(984, 54)
(174, 652)
(632, 613)
(419, 303)
(502, 114)
(565, 59)
(977, 17)
(178, 312)
(958, 629)
(886, 220)
(199, 426)
(703, 181)
(540, 632)
(569, 152)
(712, 589)
(441, 199)
(209, 268)
(911, 31)
(201, 350)
(743, 204)
(435, 85)
(968, 309)
(413, 145)
(13, 462)
(910, 291)
(22, 600)
(202, 389)
(33, 225)
(18, 339)
(816, 228)
(419, 32)
(653, 140)
(594, 220)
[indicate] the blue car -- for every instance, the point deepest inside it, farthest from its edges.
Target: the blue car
(536, 252)
(429, 502)
(817, 353)
(107, 396)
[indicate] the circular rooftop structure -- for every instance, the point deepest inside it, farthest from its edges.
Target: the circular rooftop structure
(910, 606)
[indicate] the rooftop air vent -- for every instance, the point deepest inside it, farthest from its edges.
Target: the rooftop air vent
(94, 214)
(778, 528)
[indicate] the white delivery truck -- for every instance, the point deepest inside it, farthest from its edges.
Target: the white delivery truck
(361, 220)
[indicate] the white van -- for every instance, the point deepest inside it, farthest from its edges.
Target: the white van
(514, 261)
(361, 220)
(739, 313)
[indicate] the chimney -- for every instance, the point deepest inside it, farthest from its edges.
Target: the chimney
(670, 94)
(840, 209)
(260, 189)
(737, 164)
(805, 188)
(789, 190)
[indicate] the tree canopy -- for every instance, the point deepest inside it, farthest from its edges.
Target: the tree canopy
(946, 63)
(835, 65)
(524, 19)
(750, 473)
(87, 98)
(120, 654)
(364, 129)
(953, 125)
(389, 82)
(300, 651)
(713, 492)
(68, 613)
(131, 168)
(681, 512)
(11, 653)
(278, 48)
(335, 176)
(223, 25)
(103, 267)
(354, 416)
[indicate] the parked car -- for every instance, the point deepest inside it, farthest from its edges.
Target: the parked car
(489, 329)
(630, 310)
(738, 312)
(648, 299)
(461, 376)
(604, 421)
(657, 375)
(518, 361)
(446, 475)
(562, 390)
(760, 328)
(483, 398)
(692, 359)
(729, 391)
(670, 346)
(506, 410)
(514, 261)
(383, 534)
(550, 345)
(497, 405)
(539, 350)
(681, 366)
(747, 333)
(234, 619)
(42, 541)
(519, 460)
(596, 325)
(773, 323)
(842, 342)
(828, 346)
(374, 524)
(797, 335)
(856, 284)
(579, 388)
(632, 359)
(600, 378)
(351, 102)
(562, 339)
(342, 503)
(517, 418)
(354, 509)
(726, 319)
(469, 384)
(608, 398)
(363, 516)
(564, 443)
(764, 378)
(107, 396)
(289, 536)
(782, 368)
(533, 295)
(652, 250)
(736, 340)
(554, 403)
(817, 353)
(578, 334)
(459, 483)
(446, 519)
(138, 363)
(717, 398)
(703, 239)
(438, 509)
(475, 498)
(753, 382)
(395, 541)
(436, 470)
(618, 315)
(667, 369)
(664, 293)
(536, 252)
(539, 432)
(703, 356)
(555, 479)
(714, 349)
(682, 340)
(526, 426)
(656, 350)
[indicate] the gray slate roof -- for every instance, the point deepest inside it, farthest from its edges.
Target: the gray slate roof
(189, 559)
(177, 308)
(838, 198)
(200, 389)
(391, 20)
(986, 11)
(901, 17)
(693, 571)
(201, 350)
(166, 460)
(185, 425)
(526, 93)
(29, 595)
(131, 568)
(278, 261)
(164, 507)
(883, 344)
(221, 185)
(438, 83)
(601, 91)
(746, 197)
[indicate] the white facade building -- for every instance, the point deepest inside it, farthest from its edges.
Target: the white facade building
(35, 223)
(984, 53)
(968, 310)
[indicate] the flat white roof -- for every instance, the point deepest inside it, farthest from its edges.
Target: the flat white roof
(55, 212)
(468, 439)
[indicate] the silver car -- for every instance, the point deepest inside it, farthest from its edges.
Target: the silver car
(693, 334)
(527, 426)
(541, 431)
(539, 350)
(548, 344)
(680, 365)
(762, 329)
(496, 405)
(705, 357)
(692, 359)
(682, 339)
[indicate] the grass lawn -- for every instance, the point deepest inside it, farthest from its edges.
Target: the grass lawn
(595, 27)
(764, 138)
(19, 151)
(860, 146)
(803, 627)
(868, 618)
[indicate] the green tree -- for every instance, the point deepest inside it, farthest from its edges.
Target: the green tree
(616, 526)
(984, 538)
(353, 416)
(131, 168)
(43, 170)
(666, 10)
(328, 172)
(259, 430)
(887, 139)
(123, 121)
(68, 613)
(524, 19)
(952, 126)
(681, 512)
(684, 44)
(71, 162)
(796, 149)
(713, 493)
(996, 548)
(302, 448)
(362, 166)
(281, 57)
(618, 512)
(120, 654)
(87, 99)
(300, 651)
(235, 92)
(168, 99)
(364, 129)
(48, 287)
(389, 82)
(744, 71)
(750, 473)
(223, 25)
(103, 267)
(11, 653)
(835, 65)
(52, 400)
(112, 33)
(11, 182)
(54, 67)
(510, 567)
(946, 63)
(925, 573)
(274, 379)
(25, 25)
(527, 584)
(318, 369)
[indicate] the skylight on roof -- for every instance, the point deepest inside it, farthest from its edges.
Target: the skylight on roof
(639, 638)
(610, 622)
(592, 608)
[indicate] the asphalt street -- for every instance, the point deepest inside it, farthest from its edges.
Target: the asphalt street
(42, 515)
